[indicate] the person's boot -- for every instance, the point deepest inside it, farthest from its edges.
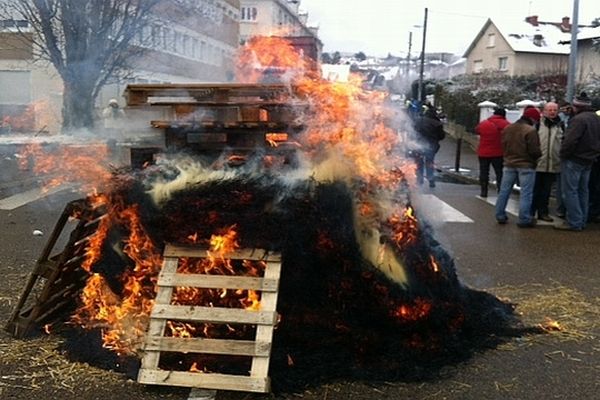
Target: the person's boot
(484, 190)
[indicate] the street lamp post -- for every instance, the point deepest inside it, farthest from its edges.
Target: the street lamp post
(408, 55)
(422, 67)
(573, 55)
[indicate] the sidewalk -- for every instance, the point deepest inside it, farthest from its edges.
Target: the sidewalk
(445, 161)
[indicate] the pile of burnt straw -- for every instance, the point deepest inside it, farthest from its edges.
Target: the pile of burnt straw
(340, 317)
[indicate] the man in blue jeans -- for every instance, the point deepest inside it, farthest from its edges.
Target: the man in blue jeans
(521, 147)
(580, 148)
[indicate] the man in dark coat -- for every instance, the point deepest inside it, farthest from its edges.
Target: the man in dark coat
(430, 131)
(579, 150)
(521, 146)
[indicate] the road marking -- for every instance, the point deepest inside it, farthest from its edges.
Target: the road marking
(512, 207)
(20, 199)
(202, 394)
(435, 209)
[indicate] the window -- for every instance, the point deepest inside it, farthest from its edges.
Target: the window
(14, 23)
(503, 63)
(249, 13)
(491, 40)
(176, 48)
(195, 47)
(477, 66)
(155, 36)
(16, 87)
(186, 45)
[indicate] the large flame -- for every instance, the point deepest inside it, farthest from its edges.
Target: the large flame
(122, 317)
(349, 136)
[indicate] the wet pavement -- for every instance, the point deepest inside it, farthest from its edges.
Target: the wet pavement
(551, 276)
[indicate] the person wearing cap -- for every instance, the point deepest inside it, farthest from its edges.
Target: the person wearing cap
(521, 146)
(430, 131)
(579, 150)
(550, 132)
(489, 149)
(112, 116)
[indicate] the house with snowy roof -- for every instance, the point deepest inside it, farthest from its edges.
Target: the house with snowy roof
(588, 54)
(520, 47)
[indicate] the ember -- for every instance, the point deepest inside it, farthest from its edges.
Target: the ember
(365, 292)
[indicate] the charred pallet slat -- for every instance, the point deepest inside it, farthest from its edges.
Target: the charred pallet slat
(56, 278)
(209, 118)
(143, 94)
(156, 343)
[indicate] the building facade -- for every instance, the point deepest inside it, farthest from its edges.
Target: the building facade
(588, 55)
(520, 48)
(276, 18)
(188, 41)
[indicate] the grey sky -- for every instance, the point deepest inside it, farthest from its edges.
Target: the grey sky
(381, 26)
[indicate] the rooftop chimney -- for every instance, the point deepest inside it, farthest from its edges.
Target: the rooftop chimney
(533, 20)
(565, 26)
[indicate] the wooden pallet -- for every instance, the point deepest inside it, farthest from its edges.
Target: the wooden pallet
(222, 94)
(265, 320)
(57, 278)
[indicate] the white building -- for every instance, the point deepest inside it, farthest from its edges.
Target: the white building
(193, 42)
(276, 18)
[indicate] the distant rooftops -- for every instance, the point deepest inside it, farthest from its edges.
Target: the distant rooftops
(532, 35)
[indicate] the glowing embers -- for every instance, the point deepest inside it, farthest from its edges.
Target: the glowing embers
(275, 138)
(405, 227)
(210, 327)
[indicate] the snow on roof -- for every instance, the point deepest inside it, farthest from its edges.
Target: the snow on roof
(524, 37)
(586, 34)
(461, 60)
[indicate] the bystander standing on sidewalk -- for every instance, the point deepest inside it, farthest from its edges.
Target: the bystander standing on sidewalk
(550, 132)
(580, 148)
(489, 149)
(521, 146)
(430, 131)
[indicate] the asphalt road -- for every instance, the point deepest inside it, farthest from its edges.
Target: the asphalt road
(548, 273)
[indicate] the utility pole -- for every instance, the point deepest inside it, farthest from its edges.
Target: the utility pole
(408, 56)
(572, 72)
(421, 87)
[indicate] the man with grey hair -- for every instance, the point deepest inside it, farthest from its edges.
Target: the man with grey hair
(550, 132)
(579, 150)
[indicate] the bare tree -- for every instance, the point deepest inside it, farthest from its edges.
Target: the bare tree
(88, 42)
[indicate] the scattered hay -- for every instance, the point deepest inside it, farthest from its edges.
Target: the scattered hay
(41, 365)
(563, 312)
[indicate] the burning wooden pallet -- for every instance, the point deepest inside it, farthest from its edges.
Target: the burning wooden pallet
(57, 278)
(221, 94)
(264, 319)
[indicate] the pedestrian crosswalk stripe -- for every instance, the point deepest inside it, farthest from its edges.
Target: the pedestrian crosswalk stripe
(435, 209)
(20, 199)
(512, 207)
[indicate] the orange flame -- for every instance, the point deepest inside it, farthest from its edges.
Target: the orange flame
(551, 325)
(122, 318)
(85, 164)
(264, 54)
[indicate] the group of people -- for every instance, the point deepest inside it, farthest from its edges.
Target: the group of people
(557, 146)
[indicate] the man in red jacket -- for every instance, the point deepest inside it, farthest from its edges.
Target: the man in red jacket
(490, 148)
